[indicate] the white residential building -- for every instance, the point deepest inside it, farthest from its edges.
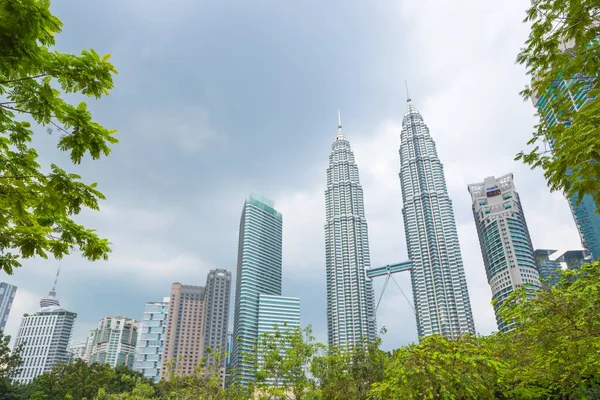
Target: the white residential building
(113, 342)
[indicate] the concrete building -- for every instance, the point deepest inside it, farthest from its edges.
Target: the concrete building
(216, 321)
(113, 341)
(184, 339)
(439, 285)
(258, 272)
(504, 239)
(151, 338)
(45, 336)
(7, 295)
(350, 297)
(76, 350)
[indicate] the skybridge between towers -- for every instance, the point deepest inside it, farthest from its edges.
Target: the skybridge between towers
(388, 270)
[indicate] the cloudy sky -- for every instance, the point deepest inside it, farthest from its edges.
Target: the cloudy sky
(216, 99)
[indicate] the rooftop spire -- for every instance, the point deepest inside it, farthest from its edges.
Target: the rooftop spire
(55, 280)
(339, 119)
(407, 94)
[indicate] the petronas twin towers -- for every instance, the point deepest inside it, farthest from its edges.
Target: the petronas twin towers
(439, 286)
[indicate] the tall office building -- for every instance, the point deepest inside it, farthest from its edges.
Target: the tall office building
(586, 218)
(551, 269)
(258, 272)
(438, 278)
(184, 340)
(350, 298)
(216, 322)
(114, 341)
(504, 239)
(277, 311)
(151, 339)
(7, 295)
(45, 337)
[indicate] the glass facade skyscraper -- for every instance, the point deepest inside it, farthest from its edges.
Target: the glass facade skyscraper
(350, 298)
(258, 273)
(438, 278)
(504, 239)
(280, 311)
(586, 218)
(151, 339)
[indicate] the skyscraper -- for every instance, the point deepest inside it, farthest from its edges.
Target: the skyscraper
(216, 322)
(350, 298)
(438, 278)
(184, 339)
(151, 339)
(114, 341)
(586, 218)
(45, 337)
(504, 239)
(550, 270)
(7, 295)
(258, 272)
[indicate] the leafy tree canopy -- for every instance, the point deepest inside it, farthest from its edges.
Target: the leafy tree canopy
(38, 202)
(562, 54)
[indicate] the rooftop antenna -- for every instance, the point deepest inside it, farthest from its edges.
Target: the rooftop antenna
(56, 279)
(407, 94)
(339, 119)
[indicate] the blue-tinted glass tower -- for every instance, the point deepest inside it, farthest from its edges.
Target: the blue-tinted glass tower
(258, 272)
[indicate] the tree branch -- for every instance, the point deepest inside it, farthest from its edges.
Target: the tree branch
(23, 79)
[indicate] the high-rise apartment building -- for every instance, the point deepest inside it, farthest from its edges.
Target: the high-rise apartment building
(113, 341)
(45, 337)
(504, 239)
(216, 321)
(259, 272)
(438, 278)
(151, 339)
(184, 340)
(76, 350)
(586, 218)
(7, 295)
(350, 298)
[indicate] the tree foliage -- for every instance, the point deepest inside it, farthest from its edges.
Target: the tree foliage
(78, 380)
(38, 202)
(282, 361)
(563, 51)
(554, 351)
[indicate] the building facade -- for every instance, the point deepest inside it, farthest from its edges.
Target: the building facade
(76, 350)
(7, 296)
(350, 297)
(441, 297)
(216, 321)
(151, 339)
(504, 239)
(114, 341)
(586, 218)
(258, 272)
(277, 311)
(551, 269)
(184, 339)
(45, 336)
